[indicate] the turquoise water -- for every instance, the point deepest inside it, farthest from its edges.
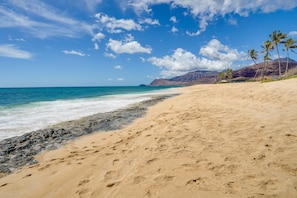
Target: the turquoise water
(20, 96)
(27, 109)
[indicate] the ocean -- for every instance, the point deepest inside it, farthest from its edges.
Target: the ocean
(24, 110)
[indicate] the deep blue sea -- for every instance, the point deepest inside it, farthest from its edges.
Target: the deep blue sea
(27, 109)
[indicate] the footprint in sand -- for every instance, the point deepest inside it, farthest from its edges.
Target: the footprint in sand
(44, 167)
(269, 184)
(83, 182)
(162, 139)
(34, 166)
(109, 175)
(200, 182)
(120, 141)
(96, 151)
(151, 160)
(72, 155)
(124, 151)
(194, 181)
(115, 161)
(190, 167)
(112, 184)
(232, 187)
(28, 175)
(259, 157)
(2, 185)
(138, 179)
(82, 192)
(152, 191)
(164, 179)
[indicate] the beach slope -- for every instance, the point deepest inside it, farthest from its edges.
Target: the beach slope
(225, 140)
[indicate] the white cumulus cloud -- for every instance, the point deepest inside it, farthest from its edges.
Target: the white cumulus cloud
(208, 10)
(91, 4)
(96, 46)
(114, 25)
(109, 55)
(180, 60)
(117, 67)
(213, 56)
(149, 21)
(292, 33)
(217, 51)
(127, 46)
(12, 51)
(98, 36)
(72, 52)
(174, 29)
(173, 19)
(41, 20)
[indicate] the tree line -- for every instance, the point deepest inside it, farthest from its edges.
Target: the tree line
(277, 38)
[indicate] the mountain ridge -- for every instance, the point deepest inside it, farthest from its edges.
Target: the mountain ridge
(211, 77)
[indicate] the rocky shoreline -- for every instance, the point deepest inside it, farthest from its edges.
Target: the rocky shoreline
(19, 151)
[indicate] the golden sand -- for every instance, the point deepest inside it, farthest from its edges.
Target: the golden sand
(226, 140)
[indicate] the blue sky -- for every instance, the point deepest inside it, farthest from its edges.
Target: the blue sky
(107, 43)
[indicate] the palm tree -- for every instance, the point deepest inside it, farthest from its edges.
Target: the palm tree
(222, 75)
(289, 44)
(267, 47)
(276, 38)
(229, 73)
(254, 56)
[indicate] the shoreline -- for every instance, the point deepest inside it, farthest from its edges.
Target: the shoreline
(235, 140)
(19, 151)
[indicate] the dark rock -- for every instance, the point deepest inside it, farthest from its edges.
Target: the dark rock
(3, 159)
(4, 170)
(10, 149)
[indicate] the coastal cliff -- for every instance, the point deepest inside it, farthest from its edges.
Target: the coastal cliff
(196, 77)
(244, 74)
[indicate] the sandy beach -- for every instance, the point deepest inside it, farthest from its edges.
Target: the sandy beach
(224, 140)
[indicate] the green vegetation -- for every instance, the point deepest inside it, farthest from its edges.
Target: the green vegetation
(267, 47)
(289, 44)
(291, 74)
(226, 75)
(277, 38)
(254, 56)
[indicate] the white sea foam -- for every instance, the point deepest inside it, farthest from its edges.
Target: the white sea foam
(19, 120)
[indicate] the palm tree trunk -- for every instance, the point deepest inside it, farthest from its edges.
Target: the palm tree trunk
(256, 73)
(258, 68)
(263, 71)
(287, 66)
(279, 64)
